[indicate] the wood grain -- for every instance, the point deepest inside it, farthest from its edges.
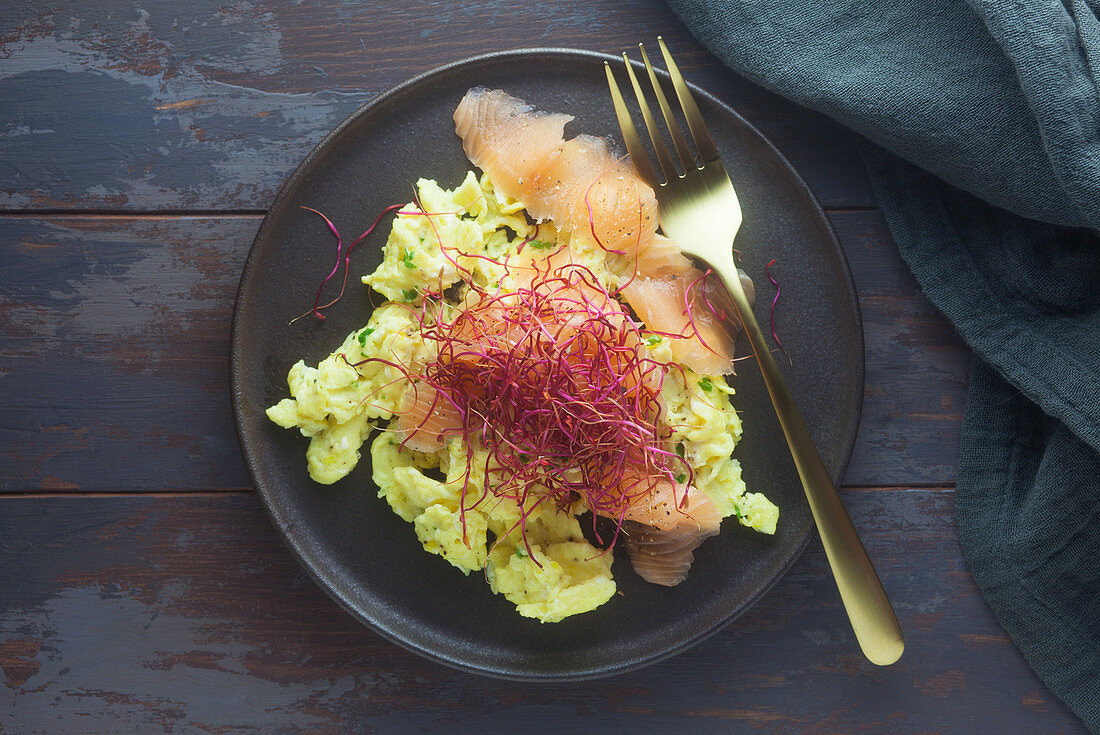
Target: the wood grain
(185, 613)
(120, 105)
(114, 333)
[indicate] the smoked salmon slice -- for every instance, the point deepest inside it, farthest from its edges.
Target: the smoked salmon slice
(510, 139)
(663, 303)
(663, 557)
(662, 530)
(525, 153)
(426, 419)
(702, 341)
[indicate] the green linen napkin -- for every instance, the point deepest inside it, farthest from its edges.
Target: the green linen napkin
(982, 128)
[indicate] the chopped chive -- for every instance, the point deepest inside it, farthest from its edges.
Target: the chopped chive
(542, 245)
(363, 336)
(705, 384)
(681, 477)
(654, 340)
(408, 259)
(410, 294)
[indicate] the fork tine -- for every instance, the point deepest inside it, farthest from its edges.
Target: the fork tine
(667, 166)
(634, 147)
(699, 133)
(686, 157)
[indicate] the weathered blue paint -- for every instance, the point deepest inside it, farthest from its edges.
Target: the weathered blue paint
(113, 352)
(90, 140)
(142, 106)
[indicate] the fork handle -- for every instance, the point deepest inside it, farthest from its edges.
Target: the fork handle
(873, 619)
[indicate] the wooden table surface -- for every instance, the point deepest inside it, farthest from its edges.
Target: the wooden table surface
(144, 588)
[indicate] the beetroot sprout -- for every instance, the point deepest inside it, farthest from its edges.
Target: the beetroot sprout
(767, 270)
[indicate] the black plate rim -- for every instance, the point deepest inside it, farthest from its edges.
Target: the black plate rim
(284, 525)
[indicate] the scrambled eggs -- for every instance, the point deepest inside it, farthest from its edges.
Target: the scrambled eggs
(339, 403)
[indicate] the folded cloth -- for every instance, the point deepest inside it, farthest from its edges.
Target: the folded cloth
(982, 128)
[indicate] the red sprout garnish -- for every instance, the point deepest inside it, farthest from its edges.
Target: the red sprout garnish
(317, 308)
(767, 270)
(553, 381)
(528, 239)
(592, 217)
(691, 293)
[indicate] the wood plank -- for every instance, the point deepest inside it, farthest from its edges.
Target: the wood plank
(186, 613)
(916, 366)
(122, 105)
(114, 352)
(114, 333)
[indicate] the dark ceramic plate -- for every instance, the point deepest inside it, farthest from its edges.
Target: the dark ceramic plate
(366, 557)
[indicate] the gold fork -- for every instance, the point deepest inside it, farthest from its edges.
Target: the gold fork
(699, 210)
